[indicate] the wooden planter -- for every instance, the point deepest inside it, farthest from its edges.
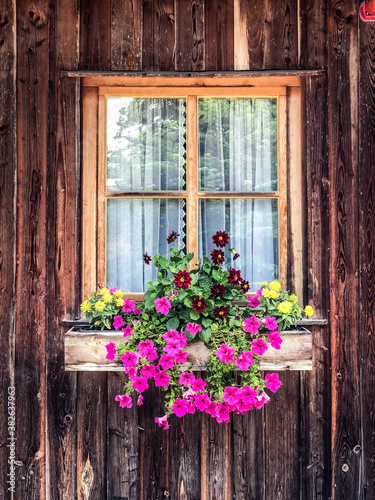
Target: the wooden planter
(85, 351)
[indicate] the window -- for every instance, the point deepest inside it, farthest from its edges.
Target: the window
(191, 159)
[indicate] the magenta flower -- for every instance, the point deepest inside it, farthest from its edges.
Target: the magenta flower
(231, 395)
(193, 328)
(113, 290)
(201, 401)
(275, 340)
(125, 400)
(148, 371)
(129, 359)
(253, 302)
(170, 335)
(179, 407)
(259, 293)
(186, 379)
(212, 409)
(243, 362)
(188, 394)
(166, 361)
(151, 354)
(118, 322)
(272, 381)
(181, 357)
(225, 354)
(163, 305)
(190, 406)
(251, 325)
(128, 330)
(162, 379)
(129, 306)
(140, 384)
(144, 346)
(111, 350)
(222, 413)
(140, 401)
(259, 346)
(132, 372)
(173, 347)
(137, 311)
(270, 323)
(162, 422)
(248, 395)
(262, 399)
(198, 385)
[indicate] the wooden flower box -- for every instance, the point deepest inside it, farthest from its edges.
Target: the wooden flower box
(85, 351)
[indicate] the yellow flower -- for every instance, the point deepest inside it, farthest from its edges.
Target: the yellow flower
(285, 307)
(275, 285)
(273, 294)
(294, 298)
(100, 306)
(86, 306)
(266, 293)
(119, 302)
(119, 294)
(264, 283)
(309, 311)
(107, 297)
(234, 251)
(104, 291)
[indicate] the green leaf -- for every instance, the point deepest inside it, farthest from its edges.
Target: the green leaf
(173, 324)
(214, 327)
(194, 315)
(227, 295)
(206, 322)
(216, 275)
(187, 303)
(182, 294)
(189, 256)
(173, 269)
(231, 322)
(164, 262)
(149, 303)
(205, 334)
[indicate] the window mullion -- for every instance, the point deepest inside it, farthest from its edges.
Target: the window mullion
(192, 176)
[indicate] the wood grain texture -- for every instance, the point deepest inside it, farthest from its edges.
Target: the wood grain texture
(159, 35)
(63, 247)
(95, 35)
(31, 289)
(190, 38)
(126, 35)
(219, 35)
(8, 165)
(250, 18)
(343, 69)
(367, 255)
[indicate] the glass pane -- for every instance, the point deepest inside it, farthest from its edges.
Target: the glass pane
(252, 225)
(237, 144)
(137, 226)
(146, 147)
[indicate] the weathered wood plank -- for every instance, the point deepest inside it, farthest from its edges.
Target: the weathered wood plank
(31, 290)
(8, 165)
(126, 35)
(249, 21)
(85, 351)
(219, 35)
(343, 71)
(95, 35)
(367, 255)
(190, 35)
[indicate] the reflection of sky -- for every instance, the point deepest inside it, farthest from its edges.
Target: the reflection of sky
(114, 104)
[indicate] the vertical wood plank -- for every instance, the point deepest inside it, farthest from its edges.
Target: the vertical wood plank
(343, 72)
(8, 168)
(126, 35)
(249, 22)
(159, 42)
(95, 35)
(101, 254)
(219, 35)
(367, 255)
(192, 177)
(63, 257)
(31, 290)
(122, 443)
(190, 35)
(282, 185)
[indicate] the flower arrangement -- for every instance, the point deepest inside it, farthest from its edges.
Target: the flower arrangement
(181, 306)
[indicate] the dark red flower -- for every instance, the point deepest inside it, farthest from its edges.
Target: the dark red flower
(221, 239)
(217, 257)
(182, 279)
(217, 291)
(245, 287)
(147, 258)
(234, 277)
(235, 256)
(221, 312)
(199, 304)
(172, 237)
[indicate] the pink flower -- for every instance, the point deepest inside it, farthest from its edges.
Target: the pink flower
(253, 302)
(272, 381)
(248, 395)
(125, 400)
(179, 407)
(251, 325)
(198, 385)
(140, 401)
(128, 330)
(261, 400)
(111, 350)
(244, 361)
(231, 395)
(222, 414)
(190, 406)
(113, 290)
(212, 409)
(173, 347)
(259, 293)
(148, 371)
(140, 384)
(188, 394)
(201, 401)
(181, 357)
(118, 322)
(129, 359)
(163, 305)
(275, 340)
(259, 346)
(166, 361)
(271, 323)
(162, 379)
(144, 346)
(171, 335)
(243, 407)
(193, 328)
(129, 306)
(162, 422)
(186, 379)
(225, 354)
(151, 354)
(132, 372)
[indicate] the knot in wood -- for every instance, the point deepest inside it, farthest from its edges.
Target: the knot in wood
(345, 468)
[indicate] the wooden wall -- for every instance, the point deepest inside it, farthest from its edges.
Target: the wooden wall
(316, 440)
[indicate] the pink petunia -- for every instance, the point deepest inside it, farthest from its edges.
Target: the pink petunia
(251, 325)
(171, 335)
(222, 414)
(125, 400)
(244, 361)
(243, 407)
(148, 371)
(193, 328)
(144, 346)
(172, 347)
(212, 409)
(129, 306)
(113, 290)
(151, 354)
(201, 401)
(275, 340)
(259, 293)
(129, 359)
(231, 395)
(111, 351)
(128, 330)
(259, 346)
(132, 372)
(271, 323)
(140, 401)
(190, 406)
(272, 381)
(186, 379)
(162, 379)
(180, 407)
(248, 395)
(166, 361)
(162, 422)
(181, 357)
(262, 399)
(198, 385)
(118, 322)
(225, 354)
(163, 305)
(188, 394)
(253, 302)
(140, 384)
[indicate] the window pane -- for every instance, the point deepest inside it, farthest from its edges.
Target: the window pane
(137, 226)
(237, 144)
(253, 227)
(146, 144)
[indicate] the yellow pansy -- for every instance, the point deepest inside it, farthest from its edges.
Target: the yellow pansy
(119, 302)
(285, 307)
(275, 285)
(86, 306)
(100, 306)
(309, 311)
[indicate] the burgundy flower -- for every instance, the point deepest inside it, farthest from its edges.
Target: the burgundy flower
(182, 279)
(235, 256)
(234, 277)
(199, 304)
(245, 286)
(221, 239)
(147, 258)
(217, 257)
(172, 237)
(221, 312)
(217, 291)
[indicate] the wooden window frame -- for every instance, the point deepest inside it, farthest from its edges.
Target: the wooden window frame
(287, 90)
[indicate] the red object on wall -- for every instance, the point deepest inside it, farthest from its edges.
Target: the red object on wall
(367, 10)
